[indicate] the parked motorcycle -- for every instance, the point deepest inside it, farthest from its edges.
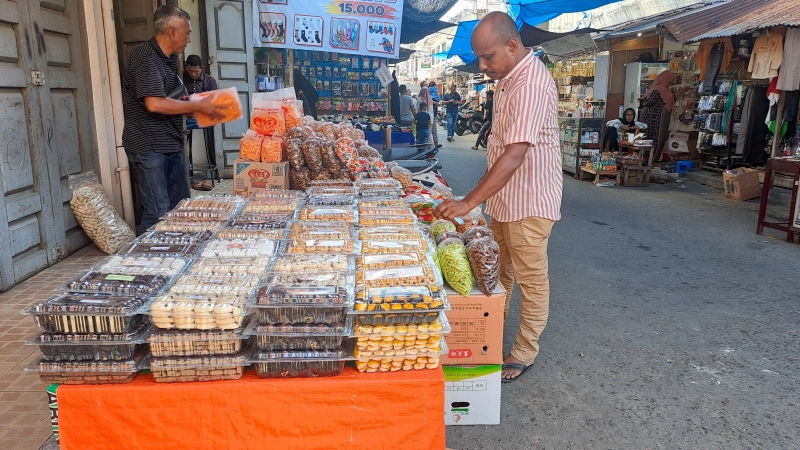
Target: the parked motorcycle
(465, 116)
(484, 139)
(441, 118)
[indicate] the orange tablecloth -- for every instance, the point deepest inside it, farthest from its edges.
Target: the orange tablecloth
(352, 411)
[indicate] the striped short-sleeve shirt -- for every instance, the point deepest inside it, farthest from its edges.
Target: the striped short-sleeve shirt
(150, 73)
(526, 110)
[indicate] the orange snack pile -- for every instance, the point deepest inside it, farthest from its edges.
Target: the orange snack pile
(268, 121)
(228, 99)
(250, 147)
(291, 115)
(272, 150)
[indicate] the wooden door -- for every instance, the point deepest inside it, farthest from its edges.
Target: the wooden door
(230, 49)
(43, 124)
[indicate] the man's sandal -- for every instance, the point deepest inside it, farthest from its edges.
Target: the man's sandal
(515, 366)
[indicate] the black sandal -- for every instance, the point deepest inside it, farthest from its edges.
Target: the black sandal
(515, 366)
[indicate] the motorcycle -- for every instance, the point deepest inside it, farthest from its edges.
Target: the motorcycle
(484, 139)
(441, 118)
(465, 116)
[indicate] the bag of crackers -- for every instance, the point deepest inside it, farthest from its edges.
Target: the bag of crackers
(227, 99)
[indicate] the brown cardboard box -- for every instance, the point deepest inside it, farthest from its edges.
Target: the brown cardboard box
(477, 322)
(741, 184)
(250, 176)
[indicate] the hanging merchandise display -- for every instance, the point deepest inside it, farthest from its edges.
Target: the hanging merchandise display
(361, 28)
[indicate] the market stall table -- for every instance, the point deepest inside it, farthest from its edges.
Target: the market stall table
(638, 173)
(352, 411)
(600, 173)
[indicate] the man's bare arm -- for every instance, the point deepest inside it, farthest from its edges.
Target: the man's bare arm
(498, 176)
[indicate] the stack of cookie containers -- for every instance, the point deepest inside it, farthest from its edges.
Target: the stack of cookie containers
(300, 309)
(398, 315)
(94, 333)
(201, 320)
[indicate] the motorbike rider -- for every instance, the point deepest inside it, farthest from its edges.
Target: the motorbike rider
(488, 108)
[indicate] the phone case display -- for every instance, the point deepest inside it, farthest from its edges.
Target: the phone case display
(89, 372)
(198, 368)
(91, 346)
(89, 313)
(165, 343)
(202, 312)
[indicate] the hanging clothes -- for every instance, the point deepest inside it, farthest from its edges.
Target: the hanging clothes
(767, 56)
(704, 51)
(713, 66)
(789, 76)
(752, 131)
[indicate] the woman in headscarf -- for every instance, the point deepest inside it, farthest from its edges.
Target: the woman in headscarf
(615, 128)
(655, 109)
(306, 92)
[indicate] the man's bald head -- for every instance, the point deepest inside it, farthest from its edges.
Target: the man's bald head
(497, 44)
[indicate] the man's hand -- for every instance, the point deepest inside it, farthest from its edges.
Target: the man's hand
(450, 209)
(214, 112)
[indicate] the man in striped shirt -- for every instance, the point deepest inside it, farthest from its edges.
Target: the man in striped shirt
(522, 187)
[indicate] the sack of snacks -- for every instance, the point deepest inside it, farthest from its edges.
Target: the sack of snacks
(272, 149)
(267, 117)
(454, 263)
(484, 258)
(96, 214)
(250, 146)
(228, 99)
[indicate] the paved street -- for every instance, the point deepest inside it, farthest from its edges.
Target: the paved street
(673, 325)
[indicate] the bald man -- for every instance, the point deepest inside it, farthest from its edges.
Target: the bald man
(522, 186)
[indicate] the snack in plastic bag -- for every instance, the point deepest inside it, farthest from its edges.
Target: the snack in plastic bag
(227, 99)
(312, 152)
(291, 113)
(96, 214)
(365, 151)
(343, 174)
(402, 175)
(295, 133)
(441, 226)
(359, 134)
(267, 118)
(473, 218)
(346, 151)
(377, 168)
(308, 119)
(449, 235)
(484, 258)
(477, 233)
(295, 154)
(272, 150)
(298, 179)
(455, 266)
(330, 159)
(328, 130)
(250, 146)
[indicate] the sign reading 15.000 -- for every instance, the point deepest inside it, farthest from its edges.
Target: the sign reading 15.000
(367, 27)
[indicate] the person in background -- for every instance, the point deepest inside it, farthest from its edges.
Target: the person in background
(197, 81)
(615, 128)
(152, 97)
(425, 96)
(423, 122)
(522, 187)
(407, 110)
(307, 93)
(434, 90)
(488, 108)
(453, 101)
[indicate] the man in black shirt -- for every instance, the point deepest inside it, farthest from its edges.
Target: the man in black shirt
(488, 108)
(197, 81)
(453, 101)
(151, 95)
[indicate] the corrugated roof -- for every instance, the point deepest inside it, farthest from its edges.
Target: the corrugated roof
(652, 22)
(737, 17)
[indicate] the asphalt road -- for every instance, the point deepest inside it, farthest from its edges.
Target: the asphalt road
(672, 325)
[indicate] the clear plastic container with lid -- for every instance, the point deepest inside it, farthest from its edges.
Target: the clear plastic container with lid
(347, 190)
(322, 262)
(410, 360)
(89, 313)
(377, 183)
(330, 315)
(260, 205)
(298, 338)
(140, 265)
(384, 260)
(315, 279)
(239, 247)
(319, 246)
(411, 275)
(206, 208)
(379, 211)
(389, 233)
(215, 285)
(231, 265)
(299, 364)
(123, 283)
(91, 346)
(422, 344)
(277, 194)
(382, 203)
(439, 325)
(262, 221)
(183, 369)
(90, 372)
(174, 237)
(283, 295)
(331, 200)
(396, 246)
(379, 193)
(399, 305)
(202, 312)
(229, 232)
(189, 226)
(164, 250)
(166, 343)
(346, 214)
(321, 230)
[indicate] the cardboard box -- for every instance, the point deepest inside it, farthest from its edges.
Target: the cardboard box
(477, 322)
(741, 184)
(250, 176)
(472, 395)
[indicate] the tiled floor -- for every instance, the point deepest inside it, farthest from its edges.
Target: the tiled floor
(24, 414)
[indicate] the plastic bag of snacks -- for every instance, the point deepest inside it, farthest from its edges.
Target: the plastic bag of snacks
(402, 175)
(477, 233)
(294, 133)
(473, 219)
(97, 215)
(267, 117)
(346, 150)
(377, 169)
(250, 146)
(272, 149)
(343, 174)
(295, 154)
(484, 258)
(291, 113)
(455, 266)
(360, 143)
(328, 130)
(330, 159)
(228, 99)
(312, 152)
(365, 151)
(449, 235)
(441, 226)
(299, 179)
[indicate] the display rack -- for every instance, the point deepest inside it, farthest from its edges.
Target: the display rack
(715, 120)
(580, 140)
